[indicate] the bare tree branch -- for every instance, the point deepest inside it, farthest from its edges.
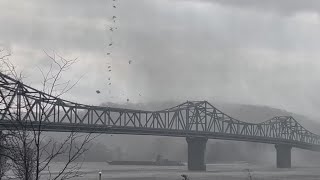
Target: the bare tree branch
(30, 153)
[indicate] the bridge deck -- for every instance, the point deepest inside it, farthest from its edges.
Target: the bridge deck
(22, 106)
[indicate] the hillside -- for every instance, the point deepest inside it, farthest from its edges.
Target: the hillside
(243, 112)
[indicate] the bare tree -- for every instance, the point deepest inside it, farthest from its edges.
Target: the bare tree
(4, 165)
(31, 151)
(5, 66)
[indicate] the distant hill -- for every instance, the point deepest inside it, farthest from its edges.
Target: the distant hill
(217, 150)
(243, 112)
(256, 114)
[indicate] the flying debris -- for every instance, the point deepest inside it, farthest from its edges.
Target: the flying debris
(130, 62)
(114, 6)
(109, 84)
(109, 79)
(185, 177)
(113, 17)
(98, 92)
(109, 67)
(110, 44)
(111, 29)
(109, 70)
(128, 100)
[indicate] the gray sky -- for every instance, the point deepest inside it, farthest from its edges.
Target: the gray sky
(241, 51)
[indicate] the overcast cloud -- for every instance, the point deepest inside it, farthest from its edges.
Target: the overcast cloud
(242, 51)
(284, 7)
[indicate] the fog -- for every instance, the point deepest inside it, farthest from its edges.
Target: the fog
(249, 52)
(252, 59)
(107, 147)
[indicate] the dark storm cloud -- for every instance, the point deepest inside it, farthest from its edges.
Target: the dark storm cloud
(210, 55)
(80, 25)
(73, 25)
(181, 50)
(285, 7)
(54, 24)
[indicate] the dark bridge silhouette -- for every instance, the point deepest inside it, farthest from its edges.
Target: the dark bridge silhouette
(198, 121)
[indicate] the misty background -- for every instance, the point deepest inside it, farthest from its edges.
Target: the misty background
(253, 60)
(132, 147)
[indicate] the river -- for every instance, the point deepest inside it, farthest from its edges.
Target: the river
(234, 171)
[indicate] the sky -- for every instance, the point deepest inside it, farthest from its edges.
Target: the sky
(236, 51)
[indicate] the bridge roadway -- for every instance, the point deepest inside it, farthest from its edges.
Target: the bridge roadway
(197, 121)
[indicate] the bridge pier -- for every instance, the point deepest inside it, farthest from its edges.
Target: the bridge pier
(196, 153)
(283, 156)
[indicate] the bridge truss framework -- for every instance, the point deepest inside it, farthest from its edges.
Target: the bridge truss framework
(22, 104)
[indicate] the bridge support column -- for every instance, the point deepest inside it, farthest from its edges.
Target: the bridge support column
(283, 156)
(196, 153)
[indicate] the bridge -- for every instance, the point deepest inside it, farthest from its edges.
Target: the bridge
(197, 121)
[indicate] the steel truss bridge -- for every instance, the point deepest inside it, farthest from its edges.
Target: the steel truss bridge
(23, 105)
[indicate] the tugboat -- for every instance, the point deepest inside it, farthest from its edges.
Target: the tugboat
(158, 162)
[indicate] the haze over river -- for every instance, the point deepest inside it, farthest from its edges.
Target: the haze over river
(234, 171)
